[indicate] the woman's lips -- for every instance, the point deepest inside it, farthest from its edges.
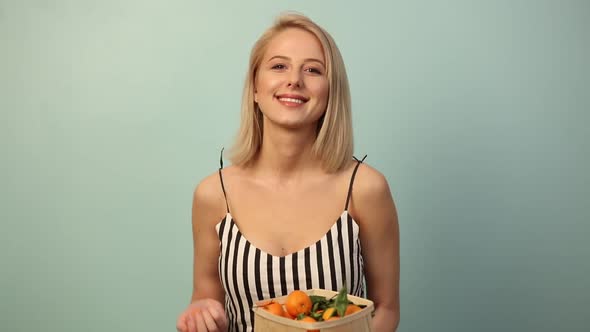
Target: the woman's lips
(292, 100)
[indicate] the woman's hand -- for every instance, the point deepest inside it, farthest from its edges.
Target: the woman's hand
(206, 315)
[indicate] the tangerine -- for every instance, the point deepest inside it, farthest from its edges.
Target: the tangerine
(275, 308)
(289, 315)
(309, 320)
(328, 313)
(351, 309)
(298, 303)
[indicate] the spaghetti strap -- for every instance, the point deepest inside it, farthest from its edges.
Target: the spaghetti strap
(359, 162)
(221, 179)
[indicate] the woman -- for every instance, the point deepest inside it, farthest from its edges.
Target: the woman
(256, 224)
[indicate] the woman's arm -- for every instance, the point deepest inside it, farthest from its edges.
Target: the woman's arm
(207, 210)
(373, 207)
(205, 312)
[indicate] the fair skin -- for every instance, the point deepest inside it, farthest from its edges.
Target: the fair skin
(285, 180)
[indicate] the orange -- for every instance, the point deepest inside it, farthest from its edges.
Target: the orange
(275, 308)
(333, 318)
(328, 313)
(310, 320)
(298, 303)
(289, 316)
(351, 309)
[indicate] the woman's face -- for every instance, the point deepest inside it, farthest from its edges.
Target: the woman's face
(291, 86)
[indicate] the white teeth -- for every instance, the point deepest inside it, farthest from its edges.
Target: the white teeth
(292, 100)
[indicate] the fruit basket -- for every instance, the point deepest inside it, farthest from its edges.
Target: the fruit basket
(359, 321)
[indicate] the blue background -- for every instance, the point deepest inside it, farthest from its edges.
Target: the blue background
(476, 111)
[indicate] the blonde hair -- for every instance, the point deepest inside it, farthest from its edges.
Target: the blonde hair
(334, 140)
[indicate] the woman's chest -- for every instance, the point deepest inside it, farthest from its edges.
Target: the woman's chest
(283, 231)
(284, 222)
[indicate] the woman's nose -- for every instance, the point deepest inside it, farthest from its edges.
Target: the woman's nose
(294, 79)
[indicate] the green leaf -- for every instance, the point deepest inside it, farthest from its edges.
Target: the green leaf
(319, 302)
(316, 315)
(317, 299)
(314, 307)
(341, 301)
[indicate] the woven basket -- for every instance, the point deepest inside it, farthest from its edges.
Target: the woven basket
(360, 321)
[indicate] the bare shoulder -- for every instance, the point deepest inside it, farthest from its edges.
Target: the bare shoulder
(370, 183)
(209, 191)
(208, 199)
(371, 194)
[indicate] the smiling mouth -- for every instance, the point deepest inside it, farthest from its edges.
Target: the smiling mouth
(292, 100)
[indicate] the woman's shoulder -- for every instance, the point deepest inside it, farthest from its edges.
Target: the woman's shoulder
(208, 195)
(209, 191)
(368, 180)
(370, 190)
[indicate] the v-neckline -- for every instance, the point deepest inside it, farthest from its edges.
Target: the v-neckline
(231, 219)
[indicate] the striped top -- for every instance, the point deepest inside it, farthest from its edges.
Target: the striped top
(249, 274)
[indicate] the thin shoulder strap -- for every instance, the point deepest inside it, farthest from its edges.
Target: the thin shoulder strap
(221, 179)
(352, 181)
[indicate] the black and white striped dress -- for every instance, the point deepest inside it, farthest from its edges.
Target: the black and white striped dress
(249, 274)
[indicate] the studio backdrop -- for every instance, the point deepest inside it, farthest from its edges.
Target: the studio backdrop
(477, 113)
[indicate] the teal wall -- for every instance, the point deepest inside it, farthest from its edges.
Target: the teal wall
(476, 111)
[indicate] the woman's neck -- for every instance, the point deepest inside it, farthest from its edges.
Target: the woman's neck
(286, 154)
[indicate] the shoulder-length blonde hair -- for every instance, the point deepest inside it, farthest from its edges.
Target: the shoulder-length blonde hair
(334, 140)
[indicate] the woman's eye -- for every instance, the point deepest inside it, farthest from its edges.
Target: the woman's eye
(313, 70)
(278, 66)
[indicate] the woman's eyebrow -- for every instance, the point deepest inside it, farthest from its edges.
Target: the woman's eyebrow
(315, 60)
(282, 57)
(279, 57)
